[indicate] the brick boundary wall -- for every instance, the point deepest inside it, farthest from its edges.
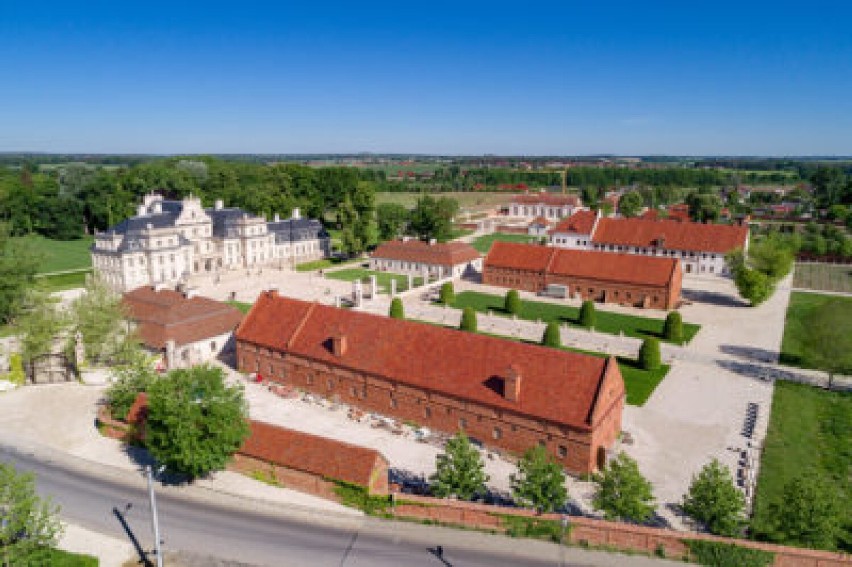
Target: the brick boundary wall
(287, 478)
(625, 537)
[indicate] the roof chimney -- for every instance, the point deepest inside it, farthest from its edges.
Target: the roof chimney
(297, 214)
(339, 343)
(277, 217)
(219, 205)
(512, 384)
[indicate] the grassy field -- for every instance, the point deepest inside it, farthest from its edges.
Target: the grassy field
(607, 322)
(483, 243)
(823, 277)
(60, 282)
(468, 200)
(809, 435)
(793, 351)
(61, 255)
(382, 278)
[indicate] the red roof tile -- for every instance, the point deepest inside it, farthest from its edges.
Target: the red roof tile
(168, 315)
(441, 254)
(580, 222)
(670, 234)
(557, 386)
(604, 266)
(548, 199)
(313, 454)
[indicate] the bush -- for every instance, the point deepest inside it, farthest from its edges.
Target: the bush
(16, 370)
(552, 337)
(512, 303)
(718, 554)
(397, 311)
(649, 354)
(539, 528)
(468, 320)
(357, 497)
(753, 286)
(132, 379)
(448, 294)
(587, 314)
(673, 327)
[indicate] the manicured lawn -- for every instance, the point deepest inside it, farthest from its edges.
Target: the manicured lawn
(61, 255)
(59, 282)
(809, 435)
(483, 243)
(382, 278)
(823, 277)
(607, 322)
(326, 263)
(793, 352)
(241, 305)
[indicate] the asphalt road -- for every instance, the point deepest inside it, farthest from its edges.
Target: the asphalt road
(236, 531)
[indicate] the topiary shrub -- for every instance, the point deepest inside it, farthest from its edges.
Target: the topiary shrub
(397, 311)
(587, 314)
(551, 337)
(649, 354)
(673, 327)
(512, 304)
(448, 294)
(468, 320)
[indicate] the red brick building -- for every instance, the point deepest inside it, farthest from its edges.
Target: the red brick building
(639, 281)
(507, 394)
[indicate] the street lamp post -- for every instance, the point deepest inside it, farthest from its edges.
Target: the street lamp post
(155, 521)
(564, 523)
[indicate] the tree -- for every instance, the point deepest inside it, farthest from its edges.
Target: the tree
(392, 220)
(468, 320)
(397, 311)
(540, 481)
(714, 500)
(622, 492)
(630, 204)
(195, 421)
(753, 286)
(448, 295)
(18, 266)
(460, 471)
(99, 316)
(587, 314)
(808, 514)
(825, 341)
(552, 336)
(649, 354)
(39, 325)
(432, 218)
(772, 257)
(131, 379)
(512, 303)
(704, 206)
(29, 526)
(673, 327)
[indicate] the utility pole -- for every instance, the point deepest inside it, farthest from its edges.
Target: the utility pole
(155, 521)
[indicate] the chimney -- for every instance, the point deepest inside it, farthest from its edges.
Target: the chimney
(512, 384)
(219, 205)
(339, 343)
(277, 217)
(297, 214)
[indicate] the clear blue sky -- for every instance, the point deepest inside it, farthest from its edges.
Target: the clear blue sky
(739, 78)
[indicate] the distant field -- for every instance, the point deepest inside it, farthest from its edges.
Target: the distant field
(483, 243)
(469, 200)
(823, 277)
(793, 352)
(61, 255)
(393, 169)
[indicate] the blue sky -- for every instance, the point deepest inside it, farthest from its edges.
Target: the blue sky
(739, 78)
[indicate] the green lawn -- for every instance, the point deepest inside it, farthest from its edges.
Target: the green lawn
(483, 243)
(382, 278)
(801, 304)
(61, 558)
(326, 263)
(60, 282)
(241, 305)
(809, 434)
(61, 255)
(607, 322)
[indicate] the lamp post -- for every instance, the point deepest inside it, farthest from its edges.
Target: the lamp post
(155, 521)
(563, 521)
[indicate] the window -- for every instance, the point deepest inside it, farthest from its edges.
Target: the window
(393, 403)
(427, 412)
(563, 451)
(462, 423)
(497, 433)
(213, 346)
(309, 379)
(271, 370)
(329, 383)
(353, 392)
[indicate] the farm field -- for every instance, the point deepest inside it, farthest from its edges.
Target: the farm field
(382, 278)
(823, 277)
(607, 322)
(61, 255)
(483, 243)
(793, 352)
(468, 200)
(808, 436)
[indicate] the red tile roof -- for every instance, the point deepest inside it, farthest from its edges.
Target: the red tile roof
(580, 222)
(547, 199)
(440, 254)
(557, 386)
(674, 235)
(313, 454)
(168, 315)
(604, 266)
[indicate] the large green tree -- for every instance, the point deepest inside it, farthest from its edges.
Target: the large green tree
(99, 316)
(630, 204)
(392, 220)
(622, 492)
(39, 325)
(808, 514)
(714, 500)
(540, 481)
(130, 379)
(432, 218)
(29, 525)
(195, 421)
(18, 266)
(460, 471)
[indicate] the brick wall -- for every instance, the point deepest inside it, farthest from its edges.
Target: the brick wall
(288, 478)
